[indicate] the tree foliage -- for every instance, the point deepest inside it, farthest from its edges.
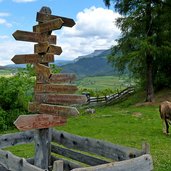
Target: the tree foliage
(145, 43)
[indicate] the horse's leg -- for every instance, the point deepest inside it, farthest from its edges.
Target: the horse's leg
(167, 126)
(164, 126)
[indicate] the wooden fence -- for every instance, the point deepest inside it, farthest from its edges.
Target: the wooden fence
(111, 98)
(77, 152)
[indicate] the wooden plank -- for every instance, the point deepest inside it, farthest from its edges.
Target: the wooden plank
(56, 78)
(58, 165)
(83, 158)
(68, 22)
(33, 58)
(68, 165)
(55, 88)
(142, 163)
(42, 69)
(52, 109)
(42, 156)
(8, 140)
(102, 148)
(44, 47)
(57, 50)
(41, 47)
(33, 37)
(48, 25)
(38, 121)
(60, 98)
(14, 163)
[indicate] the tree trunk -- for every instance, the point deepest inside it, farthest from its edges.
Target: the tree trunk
(149, 57)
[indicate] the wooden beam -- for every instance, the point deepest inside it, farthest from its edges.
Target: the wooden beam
(33, 37)
(68, 165)
(55, 88)
(58, 165)
(14, 163)
(83, 158)
(68, 22)
(52, 109)
(102, 148)
(32, 58)
(50, 25)
(38, 121)
(64, 99)
(8, 140)
(142, 163)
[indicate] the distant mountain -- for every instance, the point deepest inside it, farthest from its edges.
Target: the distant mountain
(94, 64)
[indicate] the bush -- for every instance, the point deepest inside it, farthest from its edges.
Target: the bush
(15, 93)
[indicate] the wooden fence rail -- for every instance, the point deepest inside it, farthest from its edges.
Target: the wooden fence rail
(76, 152)
(111, 98)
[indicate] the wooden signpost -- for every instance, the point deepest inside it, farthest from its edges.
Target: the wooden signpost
(52, 91)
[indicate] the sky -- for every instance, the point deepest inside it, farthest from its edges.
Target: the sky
(95, 27)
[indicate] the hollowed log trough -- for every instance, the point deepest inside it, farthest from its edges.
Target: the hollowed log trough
(76, 153)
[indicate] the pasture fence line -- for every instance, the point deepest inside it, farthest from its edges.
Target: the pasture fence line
(76, 152)
(111, 98)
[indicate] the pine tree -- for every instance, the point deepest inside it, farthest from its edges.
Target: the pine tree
(142, 41)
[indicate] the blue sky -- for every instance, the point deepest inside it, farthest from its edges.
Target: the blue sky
(94, 29)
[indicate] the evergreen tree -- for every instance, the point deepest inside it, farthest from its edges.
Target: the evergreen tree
(145, 28)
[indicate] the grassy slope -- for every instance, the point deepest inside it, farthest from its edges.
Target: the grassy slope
(125, 124)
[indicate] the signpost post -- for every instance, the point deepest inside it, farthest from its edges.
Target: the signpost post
(52, 94)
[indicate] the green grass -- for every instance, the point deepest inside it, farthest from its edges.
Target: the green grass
(125, 124)
(103, 82)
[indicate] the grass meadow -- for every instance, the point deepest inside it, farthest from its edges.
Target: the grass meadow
(129, 123)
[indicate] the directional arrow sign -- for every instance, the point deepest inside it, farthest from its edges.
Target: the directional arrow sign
(60, 98)
(41, 17)
(44, 47)
(38, 121)
(52, 109)
(56, 78)
(32, 58)
(43, 70)
(33, 37)
(48, 25)
(55, 88)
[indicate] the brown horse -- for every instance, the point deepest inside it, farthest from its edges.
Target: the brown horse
(165, 114)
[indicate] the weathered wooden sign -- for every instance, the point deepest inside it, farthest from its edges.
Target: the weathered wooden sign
(52, 109)
(44, 70)
(56, 78)
(44, 47)
(38, 121)
(33, 58)
(55, 88)
(33, 37)
(60, 98)
(68, 22)
(48, 26)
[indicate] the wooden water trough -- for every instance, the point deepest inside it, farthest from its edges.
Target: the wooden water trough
(76, 153)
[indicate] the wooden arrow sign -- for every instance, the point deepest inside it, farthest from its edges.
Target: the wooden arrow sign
(33, 37)
(44, 47)
(52, 109)
(38, 121)
(48, 25)
(33, 58)
(43, 70)
(41, 17)
(56, 78)
(60, 98)
(55, 88)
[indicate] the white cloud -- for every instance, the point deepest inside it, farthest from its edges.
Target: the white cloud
(5, 23)
(95, 29)
(22, 1)
(10, 48)
(4, 37)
